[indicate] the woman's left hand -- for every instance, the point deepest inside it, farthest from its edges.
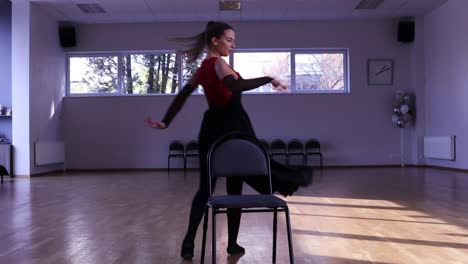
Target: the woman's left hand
(280, 88)
(279, 85)
(149, 122)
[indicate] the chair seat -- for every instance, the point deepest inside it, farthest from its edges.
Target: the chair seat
(176, 155)
(296, 153)
(246, 201)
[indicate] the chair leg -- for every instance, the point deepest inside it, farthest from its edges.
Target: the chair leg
(288, 226)
(321, 162)
(168, 164)
(185, 164)
(304, 159)
(205, 228)
(275, 227)
(213, 236)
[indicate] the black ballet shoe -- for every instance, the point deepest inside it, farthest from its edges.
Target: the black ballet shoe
(287, 190)
(187, 250)
(235, 249)
(305, 175)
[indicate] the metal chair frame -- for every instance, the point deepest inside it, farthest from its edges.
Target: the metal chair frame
(176, 150)
(255, 162)
(296, 148)
(312, 148)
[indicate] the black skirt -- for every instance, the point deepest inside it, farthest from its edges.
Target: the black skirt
(233, 117)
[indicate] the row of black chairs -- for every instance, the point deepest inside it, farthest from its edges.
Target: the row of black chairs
(277, 147)
(294, 147)
(177, 149)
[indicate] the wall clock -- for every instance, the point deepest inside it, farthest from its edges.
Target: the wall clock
(380, 72)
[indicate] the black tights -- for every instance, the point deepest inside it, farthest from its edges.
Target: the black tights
(233, 187)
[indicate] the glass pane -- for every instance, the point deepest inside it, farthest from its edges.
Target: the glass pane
(93, 75)
(259, 64)
(149, 73)
(320, 71)
(189, 69)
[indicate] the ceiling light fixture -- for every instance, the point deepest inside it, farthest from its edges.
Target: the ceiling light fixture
(91, 8)
(369, 4)
(229, 5)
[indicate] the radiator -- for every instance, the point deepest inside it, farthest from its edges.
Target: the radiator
(5, 157)
(439, 147)
(49, 152)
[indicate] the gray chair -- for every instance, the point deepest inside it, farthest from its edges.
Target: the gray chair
(3, 172)
(251, 161)
(266, 145)
(295, 148)
(312, 148)
(176, 150)
(191, 151)
(278, 148)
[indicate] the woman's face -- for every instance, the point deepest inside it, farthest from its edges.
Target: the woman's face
(225, 44)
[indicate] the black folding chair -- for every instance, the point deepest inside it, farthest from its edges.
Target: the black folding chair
(278, 148)
(295, 148)
(191, 151)
(312, 148)
(176, 150)
(266, 145)
(251, 161)
(3, 172)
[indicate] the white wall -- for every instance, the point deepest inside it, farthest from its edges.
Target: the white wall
(20, 87)
(5, 65)
(38, 83)
(354, 128)
(446, 57)
(417, 87)
(47, 81)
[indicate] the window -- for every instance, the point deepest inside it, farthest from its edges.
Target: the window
(189, 69)
(320, 72)
(306, 71)
(95, 74)
(257, 64)
(150, 73)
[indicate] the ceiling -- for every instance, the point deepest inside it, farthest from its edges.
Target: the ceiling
(133, 11)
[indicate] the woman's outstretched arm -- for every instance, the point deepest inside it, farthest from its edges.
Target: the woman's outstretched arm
(235, 84)
(175, 106)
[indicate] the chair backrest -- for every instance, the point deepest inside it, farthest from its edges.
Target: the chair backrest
(176, 147)
(312, 146)
(278, 146)
(295, 146)
(238, 155)
(3, 170)
(265, 144)
(192, 147)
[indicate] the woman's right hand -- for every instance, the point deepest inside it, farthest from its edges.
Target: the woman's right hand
(279, 85)
(149, 122)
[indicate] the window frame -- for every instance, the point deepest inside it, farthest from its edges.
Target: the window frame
(179, 60)
(119, 56)
(292, 62)
(93, 54)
